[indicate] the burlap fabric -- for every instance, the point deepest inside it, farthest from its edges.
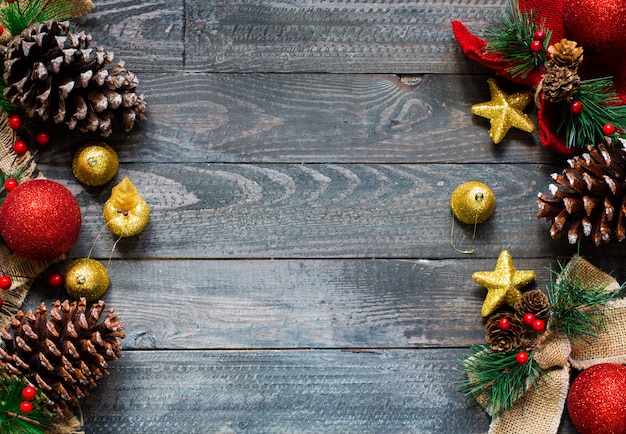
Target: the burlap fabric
(541, 407)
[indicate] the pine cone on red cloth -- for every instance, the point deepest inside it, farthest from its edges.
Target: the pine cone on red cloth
(64, 351)
(55, 74)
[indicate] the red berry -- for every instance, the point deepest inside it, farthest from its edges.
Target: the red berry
(10, 1)
(1, 30)
(15, 122)
(43, 138)
(522, 357)
(55, 280)
(26, 407)
(538, 326)
(539, 35)
(29, 393)
(5, 282)
(10, 184)
(536, 46)
(528, 319)
(576, 107)
(504, 323)
(1, 302)
(20, 147)
(608, 129)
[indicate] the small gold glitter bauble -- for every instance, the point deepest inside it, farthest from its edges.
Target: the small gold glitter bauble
(95, 164)
(86, 277)
(472, 202)
(126, 213)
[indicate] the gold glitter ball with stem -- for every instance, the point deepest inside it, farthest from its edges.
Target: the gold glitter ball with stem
(503, 284)
(505, 111)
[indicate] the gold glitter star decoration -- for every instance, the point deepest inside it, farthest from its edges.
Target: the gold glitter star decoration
(505, 111)
(503, 284)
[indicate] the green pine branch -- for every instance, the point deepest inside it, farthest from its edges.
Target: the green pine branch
(576, 310)
(601, 105)
(512, 39)
(12, 420)
(496, 377)
(20, 15)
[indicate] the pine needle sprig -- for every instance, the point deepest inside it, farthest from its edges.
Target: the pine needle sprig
(601, 105)
(12, 420)
(496, 378)
(576, 310)
(512, 39)
(19, 15)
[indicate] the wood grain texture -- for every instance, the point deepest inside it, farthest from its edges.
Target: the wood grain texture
(296, 118)
(319, 211)
(226, 392)
(146, 34)
(238, 304)
(338, 36)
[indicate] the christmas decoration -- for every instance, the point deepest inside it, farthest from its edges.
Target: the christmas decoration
(598, 83)
(65, 351)
(597, 399)
(64, 80)
(588, 199)
(86, 278)
(40, 219)
(22, 408)
(505, 338)
(504, 111)
(95, 164)
(524, 388)
(472, 202)
(126, 213)
(503, 284)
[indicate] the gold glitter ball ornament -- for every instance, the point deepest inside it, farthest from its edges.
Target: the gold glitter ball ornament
(505, 111)
(472, 202)
(95, 164)
(503, 284)
(126, 213)
(86, 277)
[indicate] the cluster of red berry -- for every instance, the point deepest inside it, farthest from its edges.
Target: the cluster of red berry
(28, 393)
(537, 325)
(536, 46)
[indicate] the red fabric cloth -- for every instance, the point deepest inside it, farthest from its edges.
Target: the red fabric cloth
(551, 12)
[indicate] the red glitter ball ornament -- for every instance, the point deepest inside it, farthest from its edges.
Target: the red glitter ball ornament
(597, 25)
(597, 399)
(40, 219)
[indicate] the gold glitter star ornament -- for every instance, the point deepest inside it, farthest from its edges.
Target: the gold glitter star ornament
(505, 111)
(503, 284)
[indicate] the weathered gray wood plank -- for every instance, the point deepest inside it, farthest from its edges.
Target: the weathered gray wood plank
(339, 36)
(395, 391)
(319, 211)
(146, 34)
(312, 118)
(302, 303)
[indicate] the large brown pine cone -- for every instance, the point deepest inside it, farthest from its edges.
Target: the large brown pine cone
(64, 351)
(560, 84)
(55, 74)
(589, 198)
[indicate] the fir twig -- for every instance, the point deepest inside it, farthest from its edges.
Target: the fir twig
(601, 105)
(12, 420)
(16, 18)
(576, 310)
(512, 39)
(497, 378)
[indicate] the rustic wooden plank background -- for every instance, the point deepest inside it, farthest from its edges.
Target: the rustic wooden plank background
(296, 275)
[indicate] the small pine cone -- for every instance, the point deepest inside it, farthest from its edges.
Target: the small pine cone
(503, 339)
(56, 74)
(64, 351)
(589, 198)
(535, 302)
(566, 54)
(560, 84)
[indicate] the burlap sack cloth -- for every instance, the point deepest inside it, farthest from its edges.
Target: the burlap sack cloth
(541, 407)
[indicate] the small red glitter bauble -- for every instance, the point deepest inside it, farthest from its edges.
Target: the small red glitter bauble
(597, 399)
(40, 219)
(599, 26)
